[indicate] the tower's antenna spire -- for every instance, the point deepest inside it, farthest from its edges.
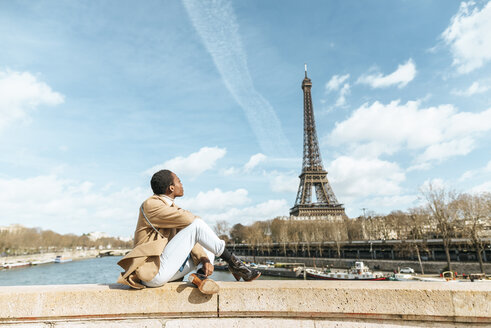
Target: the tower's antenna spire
(305, 69)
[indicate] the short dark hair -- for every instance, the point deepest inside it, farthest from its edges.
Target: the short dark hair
(161, 180)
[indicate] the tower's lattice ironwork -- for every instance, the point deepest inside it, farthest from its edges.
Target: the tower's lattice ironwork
(313, 177)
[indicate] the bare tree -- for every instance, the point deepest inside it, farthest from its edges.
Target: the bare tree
(396, 225)
(279, 233)
(35, 240)
(354, 228)
(475, 213)
(4, 242)
(258, 235)
(319, 234)
(416, 224)
(238, 233)
(294, 234)
(368, 224)
(222, 229)
(307, 233)
(438, 202)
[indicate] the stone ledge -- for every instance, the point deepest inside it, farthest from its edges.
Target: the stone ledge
(451, 302)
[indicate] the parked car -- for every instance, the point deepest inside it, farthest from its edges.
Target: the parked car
(407, 270)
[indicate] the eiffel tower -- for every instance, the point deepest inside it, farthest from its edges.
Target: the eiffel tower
(313, 175)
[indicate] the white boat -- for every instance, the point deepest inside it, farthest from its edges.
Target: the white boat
(60, 259)
(357, 272)
(431, 279)
(402, 277)
(446, 276)
(16, 265)
(42, 262)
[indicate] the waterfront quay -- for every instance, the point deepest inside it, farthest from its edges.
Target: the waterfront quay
(261, 303)
(385, 255)
(18, 261)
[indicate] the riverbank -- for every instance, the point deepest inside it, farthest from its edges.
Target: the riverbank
(34, 259)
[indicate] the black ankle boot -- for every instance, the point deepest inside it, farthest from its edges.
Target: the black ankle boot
(240, 270)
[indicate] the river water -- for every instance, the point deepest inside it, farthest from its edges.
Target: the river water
(103, 270)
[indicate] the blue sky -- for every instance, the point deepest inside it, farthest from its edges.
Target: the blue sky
(96, 96)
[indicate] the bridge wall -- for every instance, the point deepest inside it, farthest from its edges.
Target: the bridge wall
(262, 303)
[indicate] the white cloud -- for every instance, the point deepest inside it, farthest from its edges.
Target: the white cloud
(439, 132)
(345, 90)
(468, 36)
(481, 175)
(22, 92)
(475, 88)
(404, 74)
(442, 151)
(69, 206)
(436, 183)
(381, 204)
(419, 167)
(215, 200)
(192, 165)
(467, 175)
(483, 187)
(262, 211)
(254, 161)
(280, 182)
(398, 202)
(352, 177)
(335, 82)
(216, 205)
(231, 171)
(217, 26)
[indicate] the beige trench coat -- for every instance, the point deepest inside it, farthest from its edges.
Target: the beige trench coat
(143, 262)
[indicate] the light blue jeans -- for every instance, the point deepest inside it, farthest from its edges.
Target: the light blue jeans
(178, 248)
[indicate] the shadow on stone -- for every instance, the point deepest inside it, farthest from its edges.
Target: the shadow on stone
(195, 296)
(116, 286)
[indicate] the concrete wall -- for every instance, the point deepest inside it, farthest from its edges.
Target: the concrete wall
(263, 303)
(384, 265)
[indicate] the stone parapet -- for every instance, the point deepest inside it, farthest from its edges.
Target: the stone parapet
(290, 302)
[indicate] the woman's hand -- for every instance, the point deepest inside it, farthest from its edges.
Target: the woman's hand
(207, 266)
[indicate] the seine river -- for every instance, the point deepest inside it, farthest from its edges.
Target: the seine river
(102, 270)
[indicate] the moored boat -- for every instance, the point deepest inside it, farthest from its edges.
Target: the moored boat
(221, 265)
(287, 271)
(39, 262)
(401, 277)
(60, 259)
(357, 272)
(16, 265)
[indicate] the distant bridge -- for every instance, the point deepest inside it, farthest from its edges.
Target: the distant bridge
(114, 252)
